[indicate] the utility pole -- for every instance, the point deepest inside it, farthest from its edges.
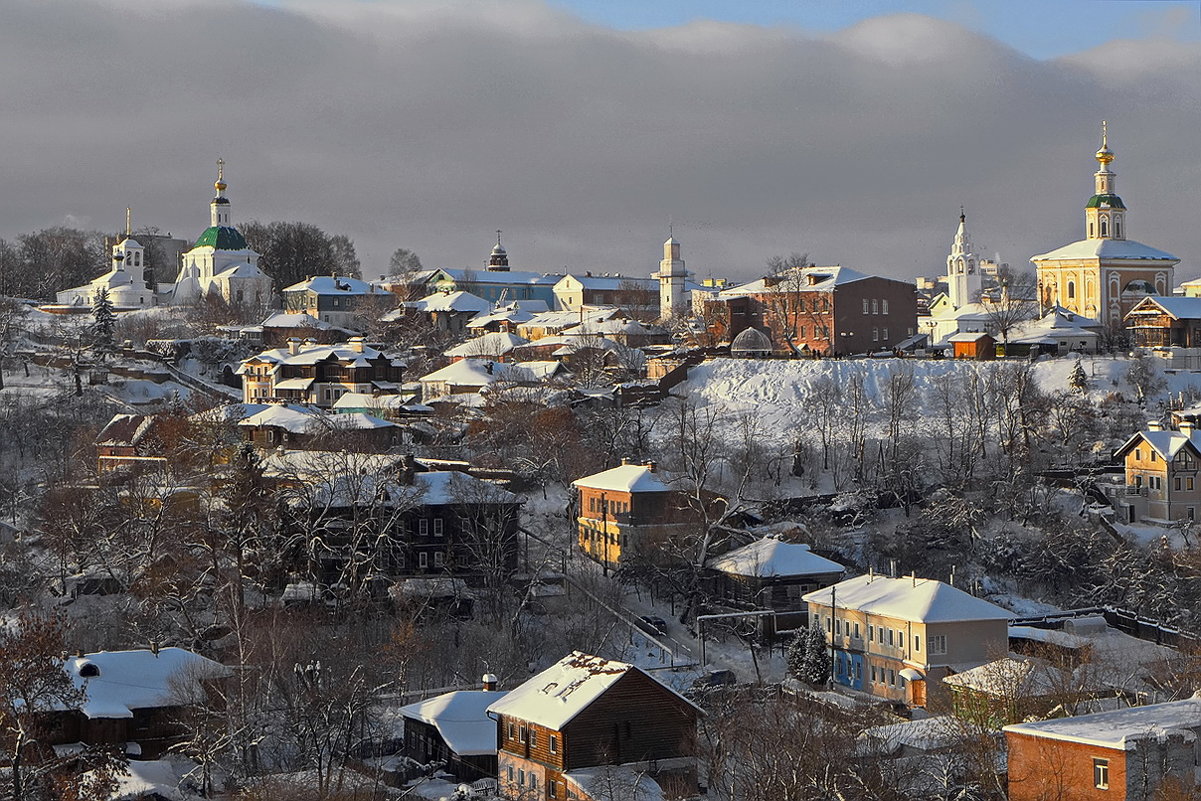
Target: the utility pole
(833, 650)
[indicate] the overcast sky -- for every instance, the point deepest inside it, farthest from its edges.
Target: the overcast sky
(430, 124)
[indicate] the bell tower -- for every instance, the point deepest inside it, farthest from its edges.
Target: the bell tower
(1104, 214)
(963, 268)
(219, 208)
(671, 277)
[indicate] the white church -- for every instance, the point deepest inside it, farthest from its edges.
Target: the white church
(219, 263)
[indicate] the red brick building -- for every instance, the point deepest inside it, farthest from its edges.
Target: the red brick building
(586, 714)
(828, 311)
(1106, 756)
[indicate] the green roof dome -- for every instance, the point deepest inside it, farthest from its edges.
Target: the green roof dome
(1105, 201)
(222, 237)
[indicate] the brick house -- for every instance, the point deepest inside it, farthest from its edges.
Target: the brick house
(828, 311)
(626, 508)
(1106, 756)
(1161, 474)
(896, 637)
(318, 375)
(586, 713)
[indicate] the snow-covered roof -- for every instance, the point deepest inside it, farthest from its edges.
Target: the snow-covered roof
(923, 734)
(335, 285)
(519, 311)
(458, 301)
(363, 400)
(624, 478)
(565, 319)
(770, 558)
(969, 336)
(312, 354)
(461, 718)
(129, 680)
(1050, 636)
(477, 373)
(1012, 677)
(1181, 308)
(125, 429)
(908, 598)
(305, 421)
(497, 343)
(614, 783)
(801, 279)
(443, 487)
(295, 320)
(1106, 249)
(1167, 443)
(555, 696)
(240, 270)
(614, 282)
(613, 326)
(1058, 323)
(1121, 728)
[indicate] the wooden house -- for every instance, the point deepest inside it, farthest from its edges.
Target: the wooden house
(318, 374)
(454, 729)
(130, 441)
(135, 700)
(585, 713)
(973, 345)
(1161, 467)
(1156, 322)
(773, 574)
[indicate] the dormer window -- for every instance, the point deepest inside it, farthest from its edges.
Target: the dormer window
(89, 670)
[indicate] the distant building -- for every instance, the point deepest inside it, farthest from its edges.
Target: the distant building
(896, 637)
(1162, 482)
(827, 311)
(773, 574)
(1107, 756)
(318, 375)
(585, 715)
(626, 509)
(1105, 274)
(1165, 322)
(333, 299)
(306, 427)
(130, 441)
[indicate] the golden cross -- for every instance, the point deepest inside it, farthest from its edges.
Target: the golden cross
(127, 218)
(1104, 134)
(220, 169)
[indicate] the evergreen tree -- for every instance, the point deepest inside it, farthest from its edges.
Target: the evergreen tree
(1078, 381)
(103, 325)
(809, 658)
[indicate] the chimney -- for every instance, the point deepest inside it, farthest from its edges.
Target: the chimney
(488, 367)
(1155, 425)
(79, 653)
(490, 681)
(154, 647)
(293, 345)
(624, 461)
(355, 344)
(1186, 428)
(652, 466)
(408, 468)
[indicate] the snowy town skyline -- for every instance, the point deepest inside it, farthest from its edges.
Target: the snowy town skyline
(584, 142)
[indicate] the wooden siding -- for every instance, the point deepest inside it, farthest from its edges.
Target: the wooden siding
(634, 720)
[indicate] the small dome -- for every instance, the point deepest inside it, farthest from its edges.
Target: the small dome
(498, 250)
(1104, 155)
(219, 185)
(751, 341)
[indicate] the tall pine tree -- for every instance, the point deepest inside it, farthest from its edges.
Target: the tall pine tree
(809, 658)
(103, 325)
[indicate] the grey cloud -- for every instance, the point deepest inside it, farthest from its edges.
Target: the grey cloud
(428, 125)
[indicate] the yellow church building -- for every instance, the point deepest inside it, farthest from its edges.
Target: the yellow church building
(1105, 274)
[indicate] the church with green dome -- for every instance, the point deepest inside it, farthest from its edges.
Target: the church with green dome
(221, 262)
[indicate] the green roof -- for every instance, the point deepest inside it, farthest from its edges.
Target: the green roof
(1100, 201)
(222, 237)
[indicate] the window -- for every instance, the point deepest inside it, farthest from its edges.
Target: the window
(917, 643)
(512, 732)
(838, 627)
(1192, 512)
(875, 335)
(865, 305)
(437, 527)
(554, 743)
(1177, 483)
(936, 644)
(1154, 457)
(510, 773)
(521, 777)
(552, 788)
(801, 331)
(873, 674)
(885, 334)
(884, 306)
(1071, 290)
(533, 738)
(871, 633)
(423, 560)
(1104, 227)
(524, 734)
(423, 527)
(1138, 454)
(533, 781)
(1101, 774)
(890, 637)
(875, 306)
(900, 639)
(892, 678)
(439, 559)
(1117, 227)
(1090, 229)
(856, 631)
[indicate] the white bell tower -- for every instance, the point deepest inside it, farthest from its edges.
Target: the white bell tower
(964, 283)
(672, 277)
(219, 208)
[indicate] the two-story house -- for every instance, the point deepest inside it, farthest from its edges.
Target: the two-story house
(584, 713)
(131, 441)
(774, 574)
(1161, 473)
(625, 509)
(896, 637)
(454, 728)
(1108, 756)
(318, 375)
(334, 299)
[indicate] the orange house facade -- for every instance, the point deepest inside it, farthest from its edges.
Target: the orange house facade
(1162, 481)
(626, 508)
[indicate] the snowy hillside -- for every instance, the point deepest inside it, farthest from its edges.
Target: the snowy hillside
(776, 390)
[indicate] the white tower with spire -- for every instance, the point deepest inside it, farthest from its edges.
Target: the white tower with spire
(963, 268)
(672, 277)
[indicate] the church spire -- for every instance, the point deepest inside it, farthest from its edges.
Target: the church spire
(219, 208)
(963, 275)
(1104, 212)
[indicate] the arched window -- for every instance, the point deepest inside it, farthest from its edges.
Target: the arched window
(1071, 290)
(1104, 227)
(1117, 227)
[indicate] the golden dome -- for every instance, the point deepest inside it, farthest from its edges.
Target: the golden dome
(1104, 155)
(219, 186)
